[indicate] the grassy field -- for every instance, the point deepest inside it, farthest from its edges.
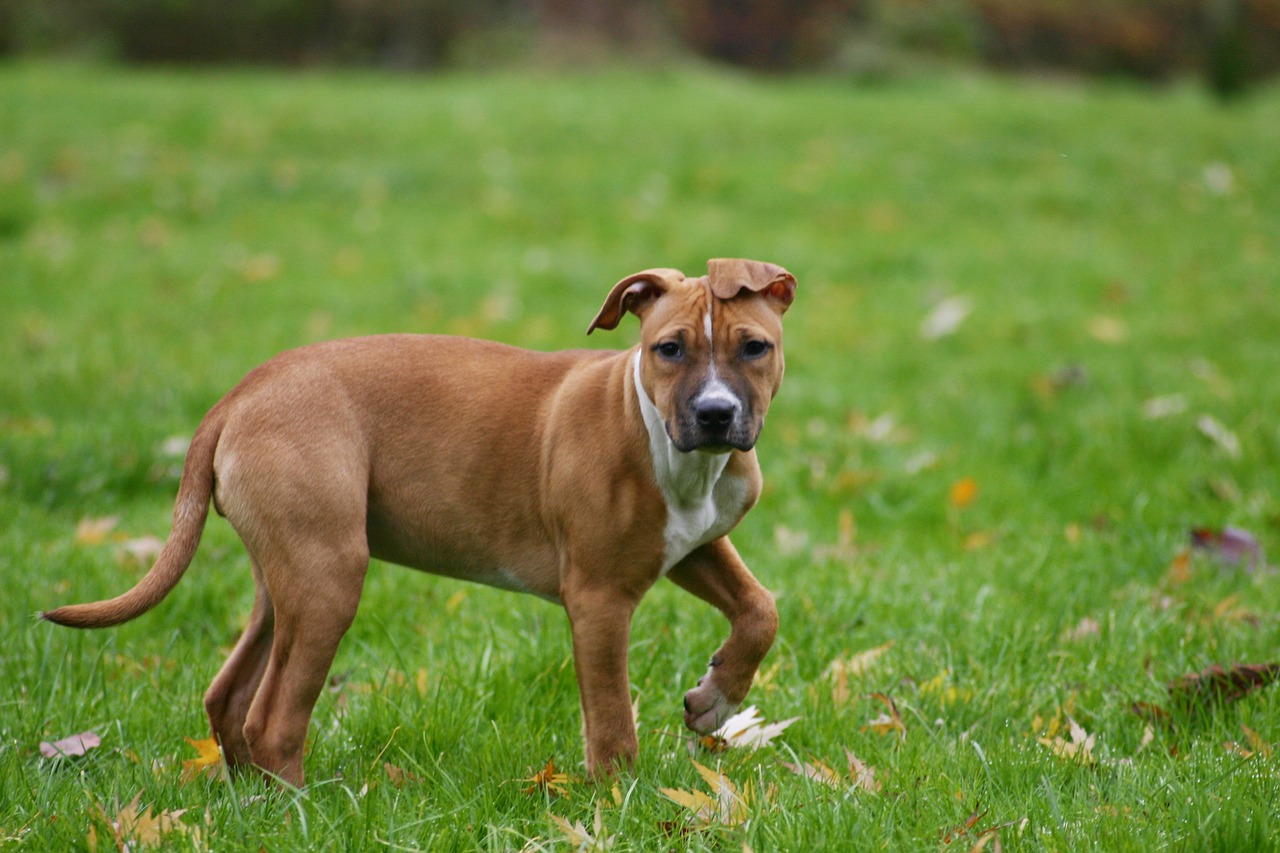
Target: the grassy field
(1034, 345)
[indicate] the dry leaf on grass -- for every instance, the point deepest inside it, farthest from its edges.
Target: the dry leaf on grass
(131, 829)
(857, 665)
(745, 729)
(142, 551)
(548, 781)
(1231, 546)
(70, 747)
(206, 765)
(398, 776)
(861, 776)
(888, 722)
(582, 839)
(1257, 746)
(94, 531)
(1078, 749)
(726, 805)
(1222, 684)
(963, 492)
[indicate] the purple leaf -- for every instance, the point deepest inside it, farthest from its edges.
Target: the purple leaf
(1230, 545)
(70, 746)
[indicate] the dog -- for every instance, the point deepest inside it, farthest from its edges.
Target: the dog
(582, 477)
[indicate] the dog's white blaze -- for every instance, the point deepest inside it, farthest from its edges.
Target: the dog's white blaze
(714, 389)
(702, 501)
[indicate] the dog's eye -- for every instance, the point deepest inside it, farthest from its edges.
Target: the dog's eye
(669, 350)
(755, 349)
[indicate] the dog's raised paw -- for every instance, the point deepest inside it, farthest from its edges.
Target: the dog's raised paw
(706, 708)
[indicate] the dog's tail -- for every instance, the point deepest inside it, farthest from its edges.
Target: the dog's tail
(189, 514)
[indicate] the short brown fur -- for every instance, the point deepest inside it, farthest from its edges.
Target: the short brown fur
(529, 471)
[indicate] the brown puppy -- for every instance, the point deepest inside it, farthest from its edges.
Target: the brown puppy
(582, 477)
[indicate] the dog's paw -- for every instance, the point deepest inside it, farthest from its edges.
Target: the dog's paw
(706, 708)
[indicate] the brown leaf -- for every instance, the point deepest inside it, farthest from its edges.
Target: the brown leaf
(1151, 713)
(888, 722)
(70, 747)
(1222, 684)
(397, 775)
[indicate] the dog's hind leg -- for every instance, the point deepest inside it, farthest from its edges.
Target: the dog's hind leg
(316, 590)
(229, 696)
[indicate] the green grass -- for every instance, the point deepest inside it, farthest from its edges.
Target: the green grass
(163, 232)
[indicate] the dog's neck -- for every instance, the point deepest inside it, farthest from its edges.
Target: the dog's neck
(685, 479)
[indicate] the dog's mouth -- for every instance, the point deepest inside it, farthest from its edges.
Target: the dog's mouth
(699, 441)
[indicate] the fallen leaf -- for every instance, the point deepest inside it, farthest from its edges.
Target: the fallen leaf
(1163, 407)
(398, 776)
(888, 722)
(1083, 630)
(727, 805)
(963, 492)
(1079, 749)
(70, 747)
(818, 771)
(142, 551)
(945, 317)
(746, 729)
(840, 670)
(207, 763)
(94, 531)
(961, 830)
(1222, 684)
(1231, 546)
(582, 839)
(131, 829)
(1151, 713)
(940, 686)
(548, 782)
(1217, 432)
(862, 774)
(1179, 569)
(1257, 746)
(1108, 329)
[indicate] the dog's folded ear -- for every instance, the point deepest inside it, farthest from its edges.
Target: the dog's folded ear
(634, 293)
(730, 276)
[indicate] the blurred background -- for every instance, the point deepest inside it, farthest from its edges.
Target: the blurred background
(1230, 44)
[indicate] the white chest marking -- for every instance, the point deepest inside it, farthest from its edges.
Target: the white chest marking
(703, 502)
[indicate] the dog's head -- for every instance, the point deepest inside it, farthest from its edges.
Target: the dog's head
(711, 347)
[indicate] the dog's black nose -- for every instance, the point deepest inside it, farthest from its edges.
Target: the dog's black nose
(716, 414)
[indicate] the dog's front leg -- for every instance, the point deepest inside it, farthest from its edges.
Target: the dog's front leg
(716, 574)
(600, 616)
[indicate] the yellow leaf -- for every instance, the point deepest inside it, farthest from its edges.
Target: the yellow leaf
(206, 763)
(131, 829)
(548, 781)
(1079, 749)
(94, 531)
(455, 600)
(963, 492)
(858, 665)
(726, 806)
